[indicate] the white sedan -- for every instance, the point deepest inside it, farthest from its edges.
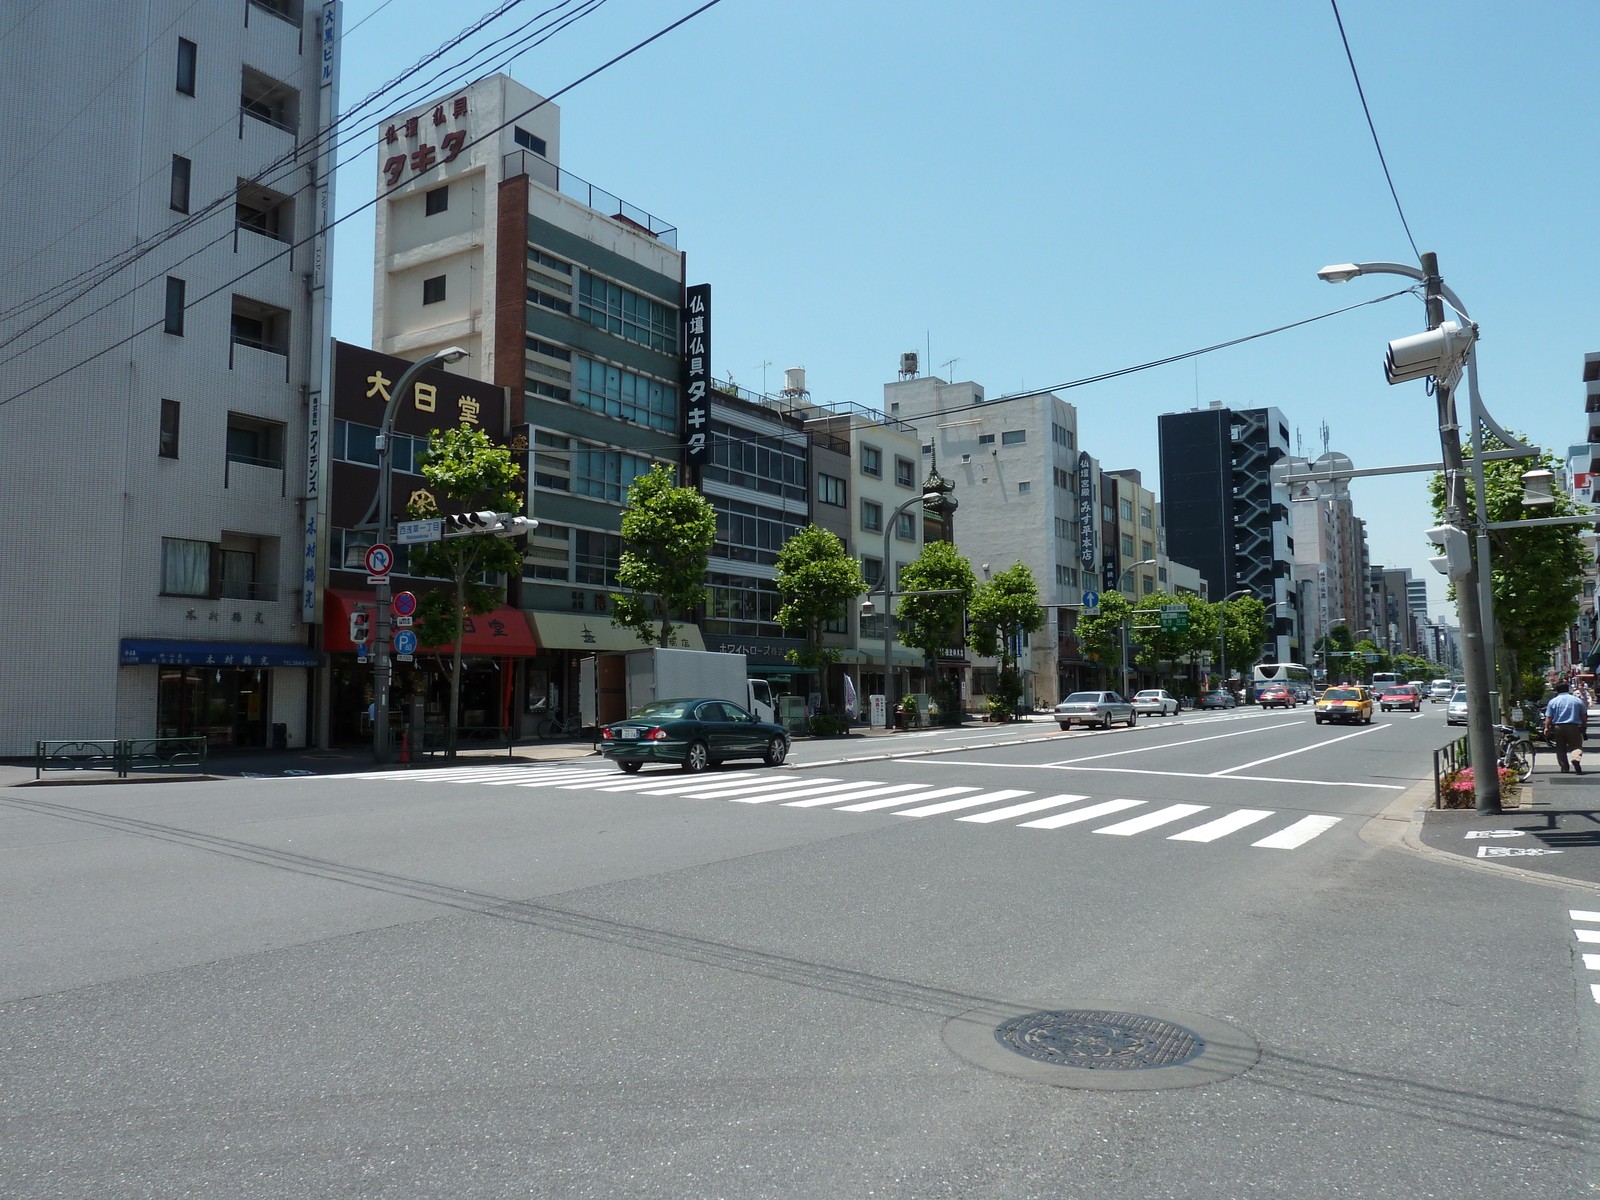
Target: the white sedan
(1094, 708)
(1155, 702)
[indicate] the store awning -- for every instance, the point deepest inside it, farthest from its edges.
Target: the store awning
(134, 651)
(501, 633)
(778, 673)
(577, 631)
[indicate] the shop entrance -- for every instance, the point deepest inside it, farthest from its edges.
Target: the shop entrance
(227, 706)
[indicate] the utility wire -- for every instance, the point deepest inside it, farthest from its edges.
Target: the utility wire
(635, 48)
(1356, 75)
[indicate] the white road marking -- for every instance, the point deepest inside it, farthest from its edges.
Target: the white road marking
(711, 790)
(1222, 826)
(1298, 834)
(1418, 717)
(973, 762)
(1302, 750)
(1104, 809)
(1513, 851)
(1164, 816)
(1580, 914)
(1019, 810)
(1591, 962)
(818, 797)
(1587, 936)
(838, 793)
(899, 797)
(912, 798)
(933, 810)
(1171, 745)
(639, 783)
(552, 777)
(1494, 833)
(1594, 990)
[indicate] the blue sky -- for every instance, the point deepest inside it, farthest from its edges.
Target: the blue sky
(1048, 191)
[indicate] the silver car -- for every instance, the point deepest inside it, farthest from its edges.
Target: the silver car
(1455, 713)
(1155, 702)
(1094, 708)
(1441, 689)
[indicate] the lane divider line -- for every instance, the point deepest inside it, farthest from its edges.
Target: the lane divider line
(1292, 753)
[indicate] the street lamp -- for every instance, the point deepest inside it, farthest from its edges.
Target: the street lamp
(1131, 568)
(382, 671)
(935, 494)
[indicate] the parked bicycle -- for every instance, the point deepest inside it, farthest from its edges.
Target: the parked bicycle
(552, 723)
(1516, 751)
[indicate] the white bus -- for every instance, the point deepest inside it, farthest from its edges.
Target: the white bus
(1383, 679)
(1296, 677)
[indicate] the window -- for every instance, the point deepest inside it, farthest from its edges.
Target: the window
(546, 300)
(1125, 507)
(1063, 478)
(258, 443)
(545, 348)
(619, 393)
(986, 439)
(180, 184)
(261, 326)
(871, 517)
(616, 309)
(269, 101)
(1105, 512)
(905, 527)
(1146, 518)
(606, 474)
(287, 10)
(742, 604)
(1066, 576)
(1024, 487)
(905, 472)
(169, 429)
(762, 464)
(186, 62)
(548, 261)
(597, 558)
(174, 316)
(1064, 528)
(1149, 584)
(355, 443)
(872, 571)
(546, 553)
(1127, 544)
(751, 532)
(1060, 436)
(527, 141)
(436, 201)
(928, 449)
(1147, 550)
(433, 290)
(185, 567)
(1013, 437)
(872, 461)
(263, 211)
(830, 490)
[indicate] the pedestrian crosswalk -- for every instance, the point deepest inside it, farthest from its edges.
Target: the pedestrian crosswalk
(965, 803)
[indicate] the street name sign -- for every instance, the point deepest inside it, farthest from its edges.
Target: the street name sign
(414, 533)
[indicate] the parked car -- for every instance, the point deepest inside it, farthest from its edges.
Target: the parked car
(1094, 708)
(1276, 696)
(1217, 699)
(1400, 697)
(1455, 712)
(1352, 704)
(1440, 689)
(1155, 702)
(695, 734)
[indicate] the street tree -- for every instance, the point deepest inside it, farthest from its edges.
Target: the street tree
(464, 468)
(931, 623)
(1004, 608)
(667, 535)
(817, 580)
(1154, 649)
(1536, 573)
(1245, 626)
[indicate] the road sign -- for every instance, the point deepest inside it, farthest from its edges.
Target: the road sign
(1177, 622)
(412, 533)
(404, 604)
(379, 560)
(1371, 658)
(405, 641)
(1172, 610)
(1091, 601)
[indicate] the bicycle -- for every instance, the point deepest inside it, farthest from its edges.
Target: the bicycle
(552, 724)
(1516, 752)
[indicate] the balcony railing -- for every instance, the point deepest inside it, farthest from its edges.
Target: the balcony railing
(810, 408)
(240, 589)
(544, 172)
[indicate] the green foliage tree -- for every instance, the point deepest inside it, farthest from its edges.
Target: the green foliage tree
(1155, 649)
(1101, 631)
(464, 467)
(930, 623)
(1536, 573)
(667, 535)
(1362, 669)
(1245, 629)
(1004, 608)
(817, 580)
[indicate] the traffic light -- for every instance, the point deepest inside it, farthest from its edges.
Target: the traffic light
(1438, 352)
(1456, 561)
(360, 627)
(498, 524)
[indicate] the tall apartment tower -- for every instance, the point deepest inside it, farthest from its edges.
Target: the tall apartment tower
(1225, 515)
(163, 327)
(564, 294)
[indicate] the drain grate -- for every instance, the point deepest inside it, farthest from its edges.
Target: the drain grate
(1099, 1040)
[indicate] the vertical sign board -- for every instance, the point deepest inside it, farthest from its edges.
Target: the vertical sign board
(1086, 510)
(1109, 575)
(696, 371)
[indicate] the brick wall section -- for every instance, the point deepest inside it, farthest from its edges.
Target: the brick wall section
(510, 300)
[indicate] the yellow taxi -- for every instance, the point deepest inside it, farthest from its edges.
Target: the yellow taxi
(1353, 704)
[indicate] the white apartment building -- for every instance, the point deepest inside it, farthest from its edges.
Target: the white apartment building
(153, 431)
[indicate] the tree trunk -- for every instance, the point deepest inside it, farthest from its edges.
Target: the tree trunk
(666, 623)
(455, 663)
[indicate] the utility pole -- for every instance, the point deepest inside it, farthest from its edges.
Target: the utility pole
(1480, 720)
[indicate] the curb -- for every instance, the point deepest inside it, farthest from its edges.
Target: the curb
(1399, 827)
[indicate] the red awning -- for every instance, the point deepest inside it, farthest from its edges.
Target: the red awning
(500, 633)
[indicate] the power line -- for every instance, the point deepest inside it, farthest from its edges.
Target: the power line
(1356, 75)
(635, 48)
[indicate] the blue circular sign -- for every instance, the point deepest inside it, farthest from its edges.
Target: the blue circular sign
(1091, 599)
(405, 641)
(404, 604)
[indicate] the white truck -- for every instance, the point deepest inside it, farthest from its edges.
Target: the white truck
(664, 674)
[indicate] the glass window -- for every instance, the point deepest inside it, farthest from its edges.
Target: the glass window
(185, 567)
(174, 312)
(180, 184)
(433, 290)
(1058, 434)
(986, 439)
(1146, 550)
(1127, 544)
(1013, 437)
(905, 527)
(905, 472)
(619, 393)
(549, 261)
(597, 557)
(527, 140)
(606, 474)
(1149, 584)
(871, 517)
(830, 490)
(169, 429)
(1146, 517)
(616, 309)
(187, 52)
(1126, 508)
(872, 461)
(1024, 487)
(751, 532)
(761, 463)
(436, 201)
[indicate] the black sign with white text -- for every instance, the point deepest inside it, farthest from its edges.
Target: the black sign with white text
(697, 371)
(1085, 510)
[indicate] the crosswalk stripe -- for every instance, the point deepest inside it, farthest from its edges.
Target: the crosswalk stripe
(934, 794)
(1020, 810)
(862, 793)
(817, 797)
(1298, 834)
(758, 793)
(1222, 826)
(1162, 816)
(933, 810)
(699, 785)
(630, 783)
(551, 777)
(1082, 814)
(712, 788)
(1587, 936)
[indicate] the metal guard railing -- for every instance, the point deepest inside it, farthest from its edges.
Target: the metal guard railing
(120, 755)
(1446, 761)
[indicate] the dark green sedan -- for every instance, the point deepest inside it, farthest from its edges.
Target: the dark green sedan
(695, 734)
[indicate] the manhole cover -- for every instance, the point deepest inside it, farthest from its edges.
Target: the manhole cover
(1099, 1041)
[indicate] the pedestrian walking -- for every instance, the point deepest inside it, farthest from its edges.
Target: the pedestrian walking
(1565, 720)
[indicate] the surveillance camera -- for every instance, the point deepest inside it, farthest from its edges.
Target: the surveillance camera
(1438, 352)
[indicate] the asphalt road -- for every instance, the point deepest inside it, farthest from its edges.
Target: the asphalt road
(507, 981)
